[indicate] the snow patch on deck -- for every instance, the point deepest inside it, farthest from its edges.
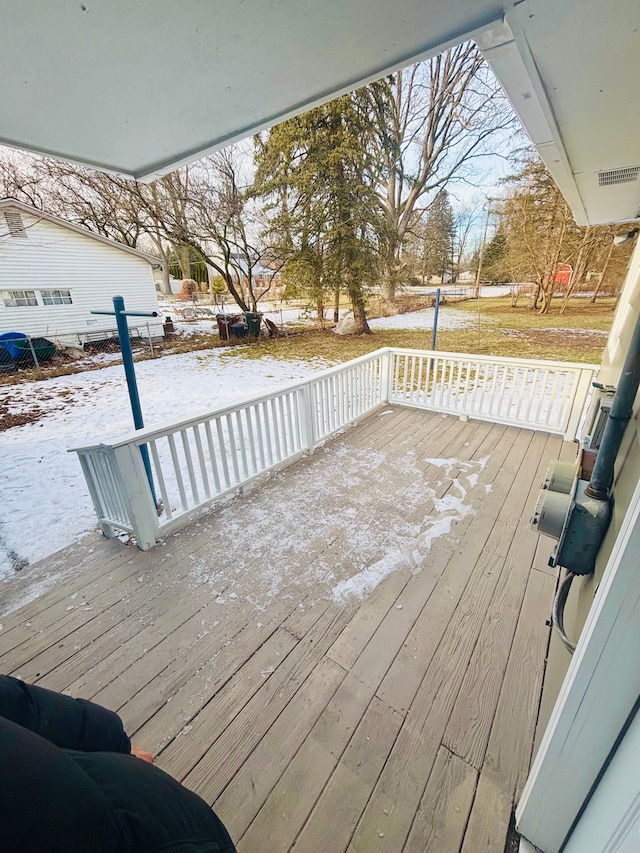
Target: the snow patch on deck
(409, 553)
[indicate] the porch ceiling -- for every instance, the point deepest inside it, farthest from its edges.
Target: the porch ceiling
(139, 88)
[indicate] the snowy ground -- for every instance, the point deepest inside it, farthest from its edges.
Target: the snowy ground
(45, 504)
(448, 318)
(280, 315)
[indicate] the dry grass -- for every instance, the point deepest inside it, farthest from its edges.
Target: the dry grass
(516, 332)
(581, 314)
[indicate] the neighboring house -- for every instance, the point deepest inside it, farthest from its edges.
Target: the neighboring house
(53, 274)
(265, 278)
(267, 282)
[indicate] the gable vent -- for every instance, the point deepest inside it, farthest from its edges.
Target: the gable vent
(618, 176)
(15, 223)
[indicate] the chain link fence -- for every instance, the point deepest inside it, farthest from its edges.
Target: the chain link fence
(40, 356)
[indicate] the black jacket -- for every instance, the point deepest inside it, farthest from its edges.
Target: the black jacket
(68, 783)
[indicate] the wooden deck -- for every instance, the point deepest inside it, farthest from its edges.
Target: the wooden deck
(400, 718)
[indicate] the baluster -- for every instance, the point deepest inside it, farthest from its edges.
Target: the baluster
(176, 470)
(494, 387)
(570, 381)
(514, 382)
(465, 402)
(166, 503)
(404, 376)
(223, 453)
(275, 431)
(541, 395)
(483, 391)
(212, 457)
(232, 447)
(260, 434)
(553, 398)
(251, 439)
(532, 393)
(267, 431)
(192, 477)
(243, 447)
(201, 462)
(284, 427)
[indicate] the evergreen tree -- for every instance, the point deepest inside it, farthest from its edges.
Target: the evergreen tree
(438, 239)
(493, 259)
(316, 172)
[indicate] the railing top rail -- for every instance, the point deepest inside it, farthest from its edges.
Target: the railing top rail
(158, 430)
(501, 359)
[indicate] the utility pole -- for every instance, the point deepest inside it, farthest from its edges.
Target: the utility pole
(484, 242)
(481, 258)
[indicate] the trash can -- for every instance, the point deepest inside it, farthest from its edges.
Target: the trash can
(225, 321)
(253, 324)
(43, 348)
(8, 341)
(238, 330)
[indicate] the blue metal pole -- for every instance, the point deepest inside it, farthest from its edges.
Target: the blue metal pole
(435, 320)
(132, 385)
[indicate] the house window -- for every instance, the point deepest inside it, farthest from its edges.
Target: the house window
(15, 223)
(56, 297)
(19, 298)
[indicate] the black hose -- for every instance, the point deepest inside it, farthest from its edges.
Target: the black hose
(557, 616)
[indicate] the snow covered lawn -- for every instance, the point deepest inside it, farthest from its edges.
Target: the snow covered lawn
(45, 503)
(448, 318)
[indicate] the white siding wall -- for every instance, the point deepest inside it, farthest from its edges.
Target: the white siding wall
(52, 257)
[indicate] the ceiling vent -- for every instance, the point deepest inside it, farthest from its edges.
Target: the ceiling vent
(618, 176)
(15, 223)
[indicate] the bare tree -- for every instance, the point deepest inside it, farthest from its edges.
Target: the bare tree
(432, 121)
(207, 208)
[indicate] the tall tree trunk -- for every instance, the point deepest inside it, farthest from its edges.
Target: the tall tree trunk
(357, 302)
(535, 296)
(594, 295)
(360, 318)
(393, 265)
(165, 286)
(182, 253)
(578, 270)
(547, 296)
(336, 302)
(211, 274)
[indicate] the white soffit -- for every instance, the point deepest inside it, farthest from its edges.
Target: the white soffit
(569, 70)
(139, 88)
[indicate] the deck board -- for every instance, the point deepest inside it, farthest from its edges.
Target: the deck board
(397, 719)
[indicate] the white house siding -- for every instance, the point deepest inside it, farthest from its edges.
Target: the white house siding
(627, 474)
(53, 257)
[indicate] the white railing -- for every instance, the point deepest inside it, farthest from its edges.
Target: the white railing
(198, 460)
(546, 395)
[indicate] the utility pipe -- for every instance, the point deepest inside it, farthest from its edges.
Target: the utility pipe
(619, 416)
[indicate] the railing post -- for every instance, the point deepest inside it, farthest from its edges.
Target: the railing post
(107, 529)
(307, 420)
(386, 376)
(137, 494)
(580, 394)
